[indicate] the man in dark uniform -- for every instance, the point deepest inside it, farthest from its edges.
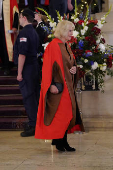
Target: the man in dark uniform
(25, 55)
(59, 5)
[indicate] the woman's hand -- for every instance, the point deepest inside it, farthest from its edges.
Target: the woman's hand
(53, 89)
(73, 70)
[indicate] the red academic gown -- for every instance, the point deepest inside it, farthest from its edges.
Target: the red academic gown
(63, 113)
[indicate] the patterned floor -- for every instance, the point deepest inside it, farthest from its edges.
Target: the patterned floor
(94, 151)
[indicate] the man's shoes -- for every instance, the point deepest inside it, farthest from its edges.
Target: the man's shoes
(30, 131)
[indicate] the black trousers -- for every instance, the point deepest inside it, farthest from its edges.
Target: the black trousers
(59, 5)
(3, 50)
(30, 90)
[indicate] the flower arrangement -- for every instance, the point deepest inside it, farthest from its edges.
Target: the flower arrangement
(88, 46)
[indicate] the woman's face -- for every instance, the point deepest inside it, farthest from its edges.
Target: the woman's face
(37, 17)
(69, 34)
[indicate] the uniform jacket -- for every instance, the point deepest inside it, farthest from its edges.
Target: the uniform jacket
(41, 29)
(27, 43)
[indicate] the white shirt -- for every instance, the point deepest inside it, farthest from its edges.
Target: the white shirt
(38, 24)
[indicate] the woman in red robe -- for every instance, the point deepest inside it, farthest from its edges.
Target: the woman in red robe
(58, 111)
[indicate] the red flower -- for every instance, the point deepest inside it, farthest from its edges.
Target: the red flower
(77, 52)
(73, 40)
(103, 40)
(80, 22)
(93, 21)
(88, 51)
(110, 57)
(80, 72)
(109, 61)
(91, 40)
(68, 16)
(96, 30)
(95, 50)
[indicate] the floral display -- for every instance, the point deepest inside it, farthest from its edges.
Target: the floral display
(88, 45)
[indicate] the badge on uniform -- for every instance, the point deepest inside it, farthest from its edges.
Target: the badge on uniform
(23, 39)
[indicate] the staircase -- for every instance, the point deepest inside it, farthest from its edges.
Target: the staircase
(12, 111)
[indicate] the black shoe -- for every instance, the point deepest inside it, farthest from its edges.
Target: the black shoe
(27, 127)
(59, 144)
(28, 132)
(66, 145)
(53, 142)
(68, 148)
(60, 148)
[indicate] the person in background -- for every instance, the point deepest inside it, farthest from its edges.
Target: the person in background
(25, 56)
(60, 6)
(31, 4)
(58, 110)
(37, 3)
(8, 21)
(42, 30)
(71, 6)
(44, 4)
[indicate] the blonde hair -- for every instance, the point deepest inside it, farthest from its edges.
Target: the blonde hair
(43, 18)
(63, 28)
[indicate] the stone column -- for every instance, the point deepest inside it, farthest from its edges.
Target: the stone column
(105, 6)
(111, 3)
